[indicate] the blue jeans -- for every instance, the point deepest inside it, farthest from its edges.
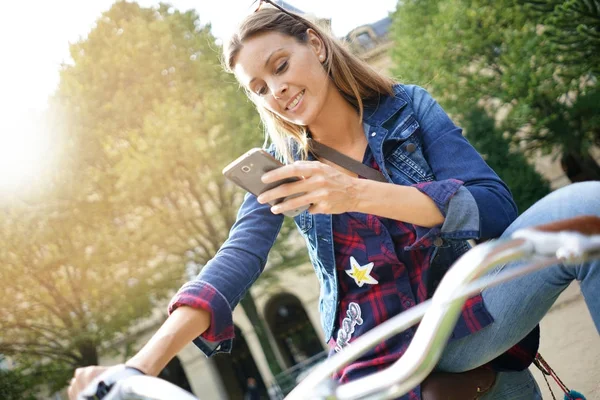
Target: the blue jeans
(519, 305)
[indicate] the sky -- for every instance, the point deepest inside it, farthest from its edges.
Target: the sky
(35, 35)
(34, 42)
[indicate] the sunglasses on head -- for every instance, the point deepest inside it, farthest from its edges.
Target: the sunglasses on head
(257, 4)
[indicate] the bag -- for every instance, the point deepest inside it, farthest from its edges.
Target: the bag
(322, 151)
(468, 385)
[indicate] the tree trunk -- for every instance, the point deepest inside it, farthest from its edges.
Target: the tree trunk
(580, 167)
(89, 352)
(249, 307)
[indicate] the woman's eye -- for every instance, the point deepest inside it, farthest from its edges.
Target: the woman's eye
(282, 67)
(261, 91)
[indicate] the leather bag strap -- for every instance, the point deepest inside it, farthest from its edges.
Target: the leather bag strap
(322, 151)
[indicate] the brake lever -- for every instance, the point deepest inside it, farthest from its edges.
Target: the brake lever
(569, 247)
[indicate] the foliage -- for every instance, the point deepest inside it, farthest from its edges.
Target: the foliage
(526, 185)
(495, 54)
(573, 28)
(148, 121)
(15, 384)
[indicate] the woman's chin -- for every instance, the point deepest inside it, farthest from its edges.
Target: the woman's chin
(298, 119)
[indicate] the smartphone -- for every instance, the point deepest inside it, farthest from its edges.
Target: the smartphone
(247, 170)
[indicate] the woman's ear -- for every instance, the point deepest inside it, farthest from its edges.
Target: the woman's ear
(316, 44)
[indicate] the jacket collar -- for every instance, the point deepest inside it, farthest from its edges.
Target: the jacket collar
(377, 115)
(385, 108)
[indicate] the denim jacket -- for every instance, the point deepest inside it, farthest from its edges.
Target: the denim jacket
(413, 141)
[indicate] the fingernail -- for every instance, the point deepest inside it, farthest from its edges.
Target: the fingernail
(275, 209)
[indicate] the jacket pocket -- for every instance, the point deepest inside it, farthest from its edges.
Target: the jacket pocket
(404, 158)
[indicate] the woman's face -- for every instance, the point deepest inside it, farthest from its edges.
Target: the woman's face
(284, 75)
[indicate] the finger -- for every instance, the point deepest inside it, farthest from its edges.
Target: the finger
(300, 169)
(71, 392)
(284, 190)
(296, 202)
(78, 382)
(75, 386)
(307, 185)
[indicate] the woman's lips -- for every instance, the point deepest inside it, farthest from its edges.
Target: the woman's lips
(295, 101)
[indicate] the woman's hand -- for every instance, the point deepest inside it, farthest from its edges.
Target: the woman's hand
(328, 190)
(81, 378)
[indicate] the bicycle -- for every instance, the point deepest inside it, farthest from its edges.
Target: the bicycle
(569, 241)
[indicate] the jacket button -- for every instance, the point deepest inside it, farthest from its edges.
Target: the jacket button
(438, 242)
(411, 147)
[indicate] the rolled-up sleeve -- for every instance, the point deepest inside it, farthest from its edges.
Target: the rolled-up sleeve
(198, 294)
(226, 278)
(475, 202)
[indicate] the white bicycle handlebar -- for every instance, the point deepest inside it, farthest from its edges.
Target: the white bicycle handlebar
(574, 241)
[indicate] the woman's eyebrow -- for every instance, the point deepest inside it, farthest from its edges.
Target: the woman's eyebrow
(267, 61)
(271, 55)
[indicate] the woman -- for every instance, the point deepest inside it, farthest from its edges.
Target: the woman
(378, 248)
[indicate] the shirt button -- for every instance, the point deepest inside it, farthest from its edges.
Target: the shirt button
(373, 134)
(411, 147)
(438, 242)
(408, 303)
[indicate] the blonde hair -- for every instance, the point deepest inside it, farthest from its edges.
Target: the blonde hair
(353, 77)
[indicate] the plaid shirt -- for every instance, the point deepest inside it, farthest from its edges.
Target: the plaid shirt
(401, 255)
(381, 274)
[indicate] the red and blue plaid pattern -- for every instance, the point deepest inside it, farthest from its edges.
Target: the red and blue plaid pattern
(201, 295)
(401, 269)
(401, 254)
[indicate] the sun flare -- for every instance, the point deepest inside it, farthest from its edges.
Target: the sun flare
(22, 145)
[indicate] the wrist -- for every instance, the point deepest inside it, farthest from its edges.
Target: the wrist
(144, 366)
(135, 369)
(359, 195)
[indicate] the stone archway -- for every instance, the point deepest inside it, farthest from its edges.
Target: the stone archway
(293, 332)
(175, 374)
(237, 368)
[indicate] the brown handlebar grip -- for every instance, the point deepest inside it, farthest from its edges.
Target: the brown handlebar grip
(585, 224)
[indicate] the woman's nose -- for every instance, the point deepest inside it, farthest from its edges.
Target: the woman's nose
(280, 91)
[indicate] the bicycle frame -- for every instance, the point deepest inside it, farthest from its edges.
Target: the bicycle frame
(438, 315)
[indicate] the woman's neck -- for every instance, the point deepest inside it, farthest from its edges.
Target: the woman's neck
(338, 124)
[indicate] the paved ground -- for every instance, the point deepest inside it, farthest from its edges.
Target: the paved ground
(571, 345)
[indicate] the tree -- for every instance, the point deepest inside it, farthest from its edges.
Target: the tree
(150, 120)
(572, 30)
(573, 27)
(14, 383)
(471, 53)
(526, 184)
